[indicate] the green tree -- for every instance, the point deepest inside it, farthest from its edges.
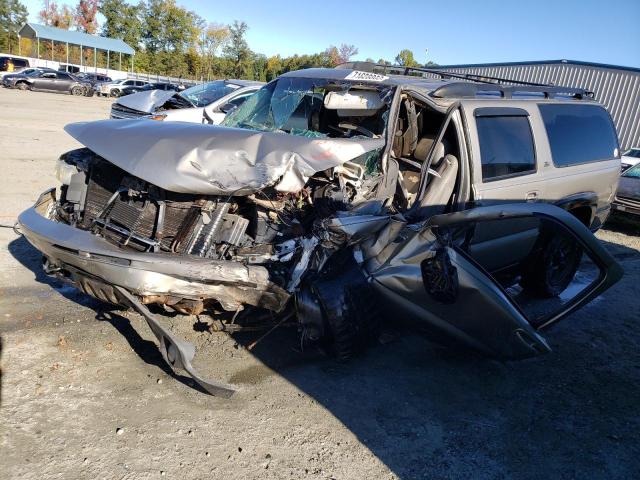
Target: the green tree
(237, 50)
(122, 20)
(153, 21)
(405, 58)
(13, 15)
(211, 40)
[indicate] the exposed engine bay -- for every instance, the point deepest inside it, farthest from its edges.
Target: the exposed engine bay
(274, 229)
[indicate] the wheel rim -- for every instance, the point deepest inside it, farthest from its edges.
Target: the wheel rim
(560, 260)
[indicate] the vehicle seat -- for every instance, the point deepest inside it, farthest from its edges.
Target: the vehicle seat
(410, 173)
(439, 189)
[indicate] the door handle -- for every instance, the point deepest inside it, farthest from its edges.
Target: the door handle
(531, 196)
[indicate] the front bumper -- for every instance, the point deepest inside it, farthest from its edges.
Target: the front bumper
(626, 206)
(90, 261)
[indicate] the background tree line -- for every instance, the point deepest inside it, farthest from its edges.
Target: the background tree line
(171, 40)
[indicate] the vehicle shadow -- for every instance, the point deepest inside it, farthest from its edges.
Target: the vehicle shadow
(427, 411)
(621, 223)
(31, 259)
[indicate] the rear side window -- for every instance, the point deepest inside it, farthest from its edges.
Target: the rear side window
(579, 133)
(506, 146)
(20, 63)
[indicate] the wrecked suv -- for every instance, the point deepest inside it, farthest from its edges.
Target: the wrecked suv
(351, 201)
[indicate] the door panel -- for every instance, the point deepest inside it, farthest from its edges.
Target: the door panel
(42, 83)
(491, 277)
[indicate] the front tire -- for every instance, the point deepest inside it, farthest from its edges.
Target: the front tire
(22, 86)
(115, 93)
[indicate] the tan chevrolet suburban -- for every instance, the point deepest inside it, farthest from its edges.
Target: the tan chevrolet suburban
(341, 200)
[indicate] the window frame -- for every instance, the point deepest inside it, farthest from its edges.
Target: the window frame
(485, 112)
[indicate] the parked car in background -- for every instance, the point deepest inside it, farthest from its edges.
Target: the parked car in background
(27, 71)
(627, 199)
(16, 71)
(49, 81)
(167, 87)
(94, 78)
(114, 89)
(206, 103)
(344, 200)
(630, 158)
(10, 63)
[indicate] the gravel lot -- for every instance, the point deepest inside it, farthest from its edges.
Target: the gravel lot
(86, 395)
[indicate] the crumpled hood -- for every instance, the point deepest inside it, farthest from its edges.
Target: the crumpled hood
(146, 101)
(214, 160)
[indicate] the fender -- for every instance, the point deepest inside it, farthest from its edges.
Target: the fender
(580, 200)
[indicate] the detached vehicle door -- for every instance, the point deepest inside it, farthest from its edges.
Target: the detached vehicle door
(496, 292)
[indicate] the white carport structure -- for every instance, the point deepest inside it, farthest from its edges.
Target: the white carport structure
(37, 33)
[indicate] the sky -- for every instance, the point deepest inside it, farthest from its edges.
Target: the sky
(446, 32)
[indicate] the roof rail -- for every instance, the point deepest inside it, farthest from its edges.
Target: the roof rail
(463, 89)
(466, 89)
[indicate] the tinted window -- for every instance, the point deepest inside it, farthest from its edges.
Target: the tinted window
(506, 146)
(579, 133)
(20, 63)
(634, 152)
(63, 76)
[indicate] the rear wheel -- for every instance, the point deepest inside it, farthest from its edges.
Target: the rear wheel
(77, 91)
(22, 86)
(553, 266)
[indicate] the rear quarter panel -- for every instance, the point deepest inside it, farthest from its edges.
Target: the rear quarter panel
(561, 182)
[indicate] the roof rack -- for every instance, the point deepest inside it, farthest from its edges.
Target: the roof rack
(465, 89)
(484, 83)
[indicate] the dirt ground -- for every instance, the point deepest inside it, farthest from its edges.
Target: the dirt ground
(85, 393)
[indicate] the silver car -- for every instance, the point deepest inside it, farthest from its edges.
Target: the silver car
(206, 103)
(113, 89)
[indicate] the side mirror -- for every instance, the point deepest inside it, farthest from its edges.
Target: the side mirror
(227, 108)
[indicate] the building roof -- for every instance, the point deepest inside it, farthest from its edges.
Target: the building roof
(35, 30)
(539, 62)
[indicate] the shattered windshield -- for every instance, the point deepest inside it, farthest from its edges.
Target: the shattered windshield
(207, 93)
(315, 108)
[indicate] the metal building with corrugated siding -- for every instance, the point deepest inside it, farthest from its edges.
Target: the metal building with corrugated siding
(617, 88)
